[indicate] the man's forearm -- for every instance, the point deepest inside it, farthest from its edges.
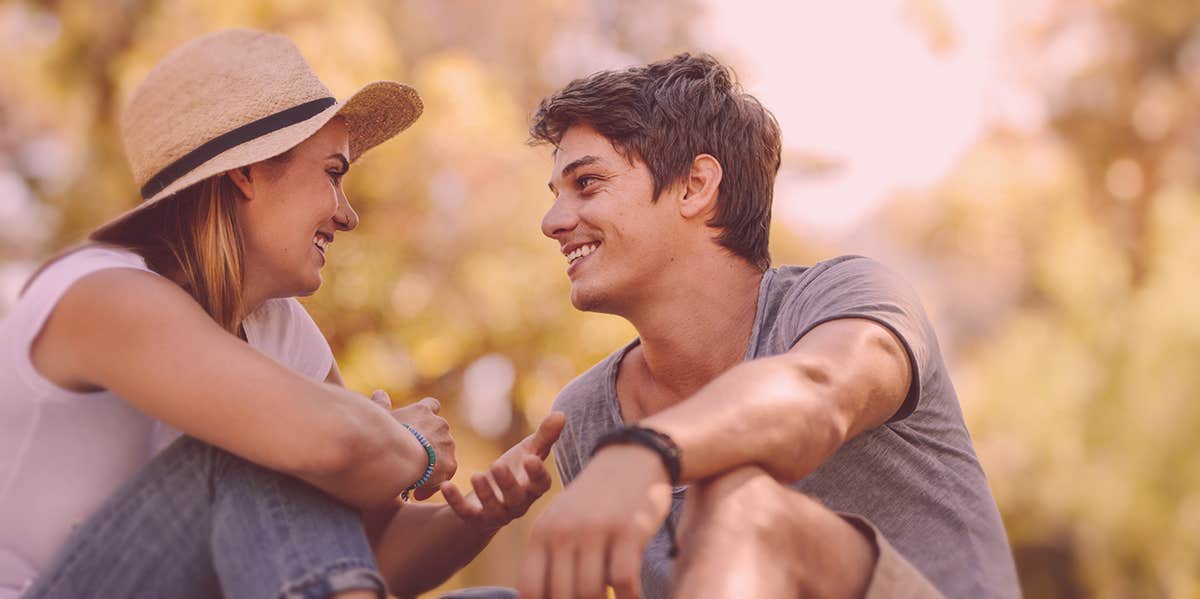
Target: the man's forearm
(771, 412)
(788, 413)
(423, 545)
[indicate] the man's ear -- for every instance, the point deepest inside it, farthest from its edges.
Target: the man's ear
(700, 187)
(242, 179)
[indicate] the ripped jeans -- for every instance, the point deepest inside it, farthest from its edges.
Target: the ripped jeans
(200, 522)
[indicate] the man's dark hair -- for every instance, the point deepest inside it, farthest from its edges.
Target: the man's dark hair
(667, 113)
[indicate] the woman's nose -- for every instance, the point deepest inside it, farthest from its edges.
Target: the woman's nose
(345, 217)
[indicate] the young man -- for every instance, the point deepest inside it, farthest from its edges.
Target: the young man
(808, 408)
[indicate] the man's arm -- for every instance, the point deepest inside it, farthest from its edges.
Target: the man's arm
(786, 413)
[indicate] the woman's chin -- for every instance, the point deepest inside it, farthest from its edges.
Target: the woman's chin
(309, 287)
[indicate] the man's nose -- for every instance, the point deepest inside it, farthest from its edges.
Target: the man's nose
(559, 219)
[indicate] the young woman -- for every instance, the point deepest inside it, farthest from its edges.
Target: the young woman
(180, 317)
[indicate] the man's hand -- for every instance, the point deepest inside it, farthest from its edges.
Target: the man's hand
(595, 531)
(515, 480)
(423, 417)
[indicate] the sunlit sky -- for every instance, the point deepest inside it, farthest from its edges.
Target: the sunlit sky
(867, 85)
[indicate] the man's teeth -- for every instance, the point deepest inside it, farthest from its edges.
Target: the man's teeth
(582, 251)
(320, 242)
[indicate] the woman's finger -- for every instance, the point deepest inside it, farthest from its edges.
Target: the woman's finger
(485, 491)
(464, 507)
(381, 399)
(539, 477)
(547, 433)
(432, 403)
(510, 487)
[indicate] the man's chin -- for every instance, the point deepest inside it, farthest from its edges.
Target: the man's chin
(585, 301)
(590, 300)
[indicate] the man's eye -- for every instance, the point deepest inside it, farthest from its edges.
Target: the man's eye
(585, 181)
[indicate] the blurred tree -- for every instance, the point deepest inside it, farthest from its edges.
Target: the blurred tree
(1067, 258)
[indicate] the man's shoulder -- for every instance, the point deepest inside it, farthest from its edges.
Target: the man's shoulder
(841, 279)
(793, 275)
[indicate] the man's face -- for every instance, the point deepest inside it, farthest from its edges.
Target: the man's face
(615, 238)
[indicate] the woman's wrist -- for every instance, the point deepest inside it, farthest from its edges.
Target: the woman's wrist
(430, 460)
(414, 456)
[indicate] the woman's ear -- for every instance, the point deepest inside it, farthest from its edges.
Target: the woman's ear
(242, 179)
(700, 187)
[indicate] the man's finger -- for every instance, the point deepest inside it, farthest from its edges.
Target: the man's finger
(547, 433)
(625, 568)
(431, 402)
(589, 579)
(532, 584)
(562, 572)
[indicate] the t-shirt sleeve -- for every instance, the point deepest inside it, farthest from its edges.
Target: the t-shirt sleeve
(859, 287)
(42, 294)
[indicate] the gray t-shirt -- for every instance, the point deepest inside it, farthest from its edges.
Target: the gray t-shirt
(916, 477)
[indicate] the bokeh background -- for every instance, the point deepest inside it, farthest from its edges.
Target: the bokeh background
(1032, 166)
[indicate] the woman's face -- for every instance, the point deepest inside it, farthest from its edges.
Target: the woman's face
(291, 210)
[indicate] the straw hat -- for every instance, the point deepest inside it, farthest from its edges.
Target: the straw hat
(235, 97)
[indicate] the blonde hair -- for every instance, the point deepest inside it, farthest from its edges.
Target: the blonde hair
(193, 237)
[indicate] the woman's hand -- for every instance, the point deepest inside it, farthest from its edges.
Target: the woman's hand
(423, 417)
(515, 480)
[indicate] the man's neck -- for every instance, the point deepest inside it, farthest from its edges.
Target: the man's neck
(689, 338)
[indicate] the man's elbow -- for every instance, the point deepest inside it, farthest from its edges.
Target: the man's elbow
(813, 413)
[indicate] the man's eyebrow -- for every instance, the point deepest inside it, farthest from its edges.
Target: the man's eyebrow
(344, 161)
(575, 165)
(584, 161)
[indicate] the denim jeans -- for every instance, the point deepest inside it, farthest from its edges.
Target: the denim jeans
(200, 522)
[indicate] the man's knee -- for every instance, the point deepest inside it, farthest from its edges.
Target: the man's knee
(749, 499)
(748, 514)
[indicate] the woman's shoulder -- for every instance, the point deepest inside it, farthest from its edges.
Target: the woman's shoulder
(100, 253)
(80, 261)
(54, 278)
(283, 329)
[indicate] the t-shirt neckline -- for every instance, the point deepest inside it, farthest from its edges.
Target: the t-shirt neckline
(614, 366)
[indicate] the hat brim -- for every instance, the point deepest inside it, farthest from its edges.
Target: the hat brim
(374, 114)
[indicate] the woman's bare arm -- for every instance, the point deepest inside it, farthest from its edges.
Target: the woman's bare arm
(143, 338)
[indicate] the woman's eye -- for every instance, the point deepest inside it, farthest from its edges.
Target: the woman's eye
(336, 176)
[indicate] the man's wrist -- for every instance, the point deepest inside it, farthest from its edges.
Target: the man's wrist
(652, 441)
(634, 458)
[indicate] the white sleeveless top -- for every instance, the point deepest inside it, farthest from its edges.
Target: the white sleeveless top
(62, 453)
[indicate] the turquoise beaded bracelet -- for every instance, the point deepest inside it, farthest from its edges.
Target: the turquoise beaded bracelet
(428, 469)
